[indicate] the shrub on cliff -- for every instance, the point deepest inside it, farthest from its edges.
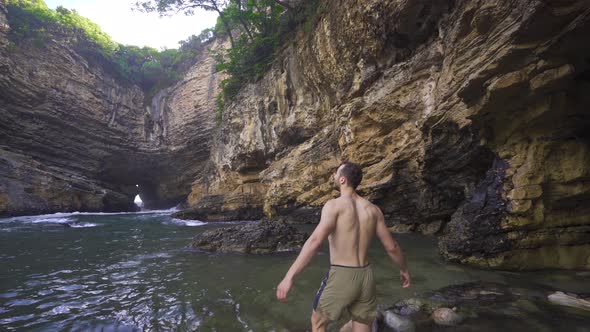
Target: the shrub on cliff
(255, 29)
(32, 20)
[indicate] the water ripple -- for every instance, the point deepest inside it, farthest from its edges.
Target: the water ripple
(134, 273)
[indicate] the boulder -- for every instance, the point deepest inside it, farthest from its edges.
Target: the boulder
(253, 238)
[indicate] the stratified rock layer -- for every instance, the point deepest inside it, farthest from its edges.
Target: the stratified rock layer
(470, 119)
(76, 137)
(64, 122)
(253, 238)
(467, 116)
(180, 121)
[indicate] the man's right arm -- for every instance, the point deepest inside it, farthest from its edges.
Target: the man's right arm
(393, 249)
(309, 249)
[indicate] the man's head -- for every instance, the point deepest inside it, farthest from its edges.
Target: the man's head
(348, 174)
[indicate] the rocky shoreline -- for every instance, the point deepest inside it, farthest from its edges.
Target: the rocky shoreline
(481, 306)
(474, 306)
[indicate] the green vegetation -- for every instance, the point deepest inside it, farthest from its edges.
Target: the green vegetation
(255, 29)
(32, 20)
(312, 12)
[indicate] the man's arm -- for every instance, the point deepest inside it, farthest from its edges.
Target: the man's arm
(309, 249)
(393, 250)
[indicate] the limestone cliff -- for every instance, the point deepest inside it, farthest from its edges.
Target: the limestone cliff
(470, 119)
(75, 138)
(63, 122)
(180, 120)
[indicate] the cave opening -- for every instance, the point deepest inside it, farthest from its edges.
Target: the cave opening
(137, 200)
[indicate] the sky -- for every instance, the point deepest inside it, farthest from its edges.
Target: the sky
(125, 26)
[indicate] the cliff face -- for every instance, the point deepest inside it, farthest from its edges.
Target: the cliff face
(180, 122)
(63, 122)
(469, 119)
(73, 138)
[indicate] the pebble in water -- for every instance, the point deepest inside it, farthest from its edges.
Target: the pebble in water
(446, 317)
(398, 323)
(570, 300)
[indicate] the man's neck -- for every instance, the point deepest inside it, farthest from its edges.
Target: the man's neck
(347, 192)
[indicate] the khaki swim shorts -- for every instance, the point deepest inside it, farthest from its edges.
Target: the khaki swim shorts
(347, 290)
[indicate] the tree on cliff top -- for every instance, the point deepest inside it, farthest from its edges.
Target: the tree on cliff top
(32, 18)
(254, 28)
(32, 22)
(168, 7)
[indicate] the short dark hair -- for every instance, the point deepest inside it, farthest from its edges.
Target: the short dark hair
(352, 172)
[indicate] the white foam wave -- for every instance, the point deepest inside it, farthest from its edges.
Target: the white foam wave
(71, 222)
(50, 221)
(190, 223)
(194, 223)
(83, 225)
(77, 213)
(153, 256)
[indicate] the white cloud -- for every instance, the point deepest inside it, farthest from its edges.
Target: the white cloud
(125, 26)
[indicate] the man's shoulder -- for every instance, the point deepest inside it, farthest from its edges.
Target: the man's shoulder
(331, 201)
(331, 204)
(344, 202)
(366, 203)
(336, 204)
(372, 208)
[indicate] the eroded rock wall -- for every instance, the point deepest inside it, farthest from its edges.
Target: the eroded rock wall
(535, 117)
(180, 121)
(62, 119)
(75, 137)
(469, 119)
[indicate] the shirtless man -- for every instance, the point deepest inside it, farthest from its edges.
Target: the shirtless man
(349, 222)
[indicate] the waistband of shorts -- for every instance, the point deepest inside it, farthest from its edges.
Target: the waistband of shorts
(350, 267)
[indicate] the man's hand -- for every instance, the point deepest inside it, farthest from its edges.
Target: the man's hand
(404, 277)
(283, 288)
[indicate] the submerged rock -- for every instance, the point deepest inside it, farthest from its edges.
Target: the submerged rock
(220, 215)
(256, 238)
(482, 306)
(402, 228)
(446, 317)
(570, 300)
(398, 322)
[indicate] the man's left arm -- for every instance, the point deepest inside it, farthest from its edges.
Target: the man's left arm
(309, 249)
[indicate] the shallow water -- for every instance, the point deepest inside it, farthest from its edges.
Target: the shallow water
(128, 272)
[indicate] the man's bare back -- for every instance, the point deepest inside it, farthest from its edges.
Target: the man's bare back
(356, 220)
(349, 222)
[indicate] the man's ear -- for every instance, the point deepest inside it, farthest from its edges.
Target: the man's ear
(342, 179)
